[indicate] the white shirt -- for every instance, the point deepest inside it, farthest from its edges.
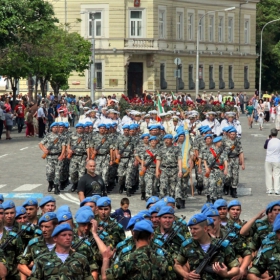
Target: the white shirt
(63, 257)
(273, 150)
(41, 113)
(102, 101)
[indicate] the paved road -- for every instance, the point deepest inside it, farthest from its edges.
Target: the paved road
(23, 174)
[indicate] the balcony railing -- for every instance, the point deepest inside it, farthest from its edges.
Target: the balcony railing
(134, 43)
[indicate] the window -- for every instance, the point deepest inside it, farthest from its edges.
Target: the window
(230, 29)
(179, 25)
(136, 23)
(98, 74)
(221, 29)
(211, 77)
(201, 27)
(246, 31)
(191, 82)
(163, 83)
(221, 77)
(190, 26)
(230, 77)
(200, 74)
(211, 28)
(161, 24)
(97, 24)
(246, 77)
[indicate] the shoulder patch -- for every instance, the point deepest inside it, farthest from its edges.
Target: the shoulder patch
(259, 221)
(33, 241)
(187, 242)
(272, 234)
(87, 242)
(262, 228)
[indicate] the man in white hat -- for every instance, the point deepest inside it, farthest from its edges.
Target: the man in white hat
(127, 118)
(213, 123)
(230, 120)
(82, 117)
(60, 117)
(145, 124)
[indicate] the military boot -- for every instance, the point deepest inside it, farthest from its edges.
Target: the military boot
(56, 189)
(121, 183)
(128, 194)
(234, 193)
(178, 203)
(183, 204)
(226, 189)
(143, 195)
(74, 187)
(50, 186)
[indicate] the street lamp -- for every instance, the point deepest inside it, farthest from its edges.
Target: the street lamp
(260, 77)
(197, 46)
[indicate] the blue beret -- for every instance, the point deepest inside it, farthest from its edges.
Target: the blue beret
(61, 124)
(168, 136)
(217, 139)
(8, 204)
(152, 138)
(154, 126)
(220, 203)
(30, 202)
(95, 198)
(79, 125)
(212, 213)
(87, 199)
(234, 202)
(166, 210)
(269, 206)
(135, 219)
(66, 124)
(162, 127)
(20, 210)
(276, 225)
(53, 124)
(168, 199)
(63, 216)
(60, 228)
(132, 126)
(102, 125)
(144, 214)
(46, 199)
(108, 126)
(126, 126)
(1, 197)
(208, 209)
(84, 217)
(47, 217)
(83, 208)
(210, 221)
(145, 135)
(114, 124)
(143, 226)
(151, 200)
(157, 206)
(180, 133)
(103, 201)
(232, 130)
(206, 206)
(208, 135)
(196, 219)
(89, 123)
(63, 208)
(202, 127)
(136, 125)
(227, 128)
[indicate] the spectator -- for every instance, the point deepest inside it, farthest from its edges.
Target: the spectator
(241, 100)
(250, 112)
(19, 113)
(2, 119)
(9, 124)
(276, 99)
(123, 214)
(51, 115)
(41, 115)
(266, 110)
(73, 113)
(29, 124)
(102, 101)
(272, 163)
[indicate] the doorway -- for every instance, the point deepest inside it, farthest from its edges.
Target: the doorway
(135, 79)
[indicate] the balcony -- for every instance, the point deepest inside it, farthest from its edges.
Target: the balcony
(140, 44)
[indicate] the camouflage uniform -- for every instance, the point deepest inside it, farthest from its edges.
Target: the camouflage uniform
(196, 147)
(216, 178)
(53, 164)
(192, 253)
(64, 174)
(49, 267)
(78, 159)
(143, 263)
(203, 150)
(169, 157)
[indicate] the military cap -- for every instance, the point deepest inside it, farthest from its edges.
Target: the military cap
(227, 128)
(20, 210)
(101, 125)
(153, 112)
(154, 209)
(30, 202)
(152, 138)
(86, 108)
(86, 200)
(47, 217)
(210, 221)
(162, 114)
(132, 127)
(103, 202)
(208, 135)
(114, 124)
(63, 216)
(217, 139)
(212, 213)
(88, 124)
(95, 198)
(53, 124)
(271, 205)
(168, 199)
(79, 125)
(135, 219)
(202, 127)
(197, 219)
(166, 210)
(147, 116)
(88, 112)
(66, 124)
(220, 203)
(136, 125)
(1, 197)
(206, 206)
(60, 228)
(81, 209)
(208, 209)
(211, 113)
(126, 126)
(180, 134)
(8, 204)
(151, 200)
(63, 208)
(162, 127)
(205, 130)
(168, 136)
(234, 202)
(144, 214)
(230, 114)
(144, 135)
(46, 199)
(154, 126)
(84, 217)
(108, 126)
(192, 116)
(143, 226)
(61, 124)
(232, 130)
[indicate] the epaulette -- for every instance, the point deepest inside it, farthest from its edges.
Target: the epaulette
(232, 235)
(262, 228)
(270, 242)
(181, 237)
(33, 241)
(103, 235)
(187, 242)
(126, 249)
(120, 226)
(266, 249)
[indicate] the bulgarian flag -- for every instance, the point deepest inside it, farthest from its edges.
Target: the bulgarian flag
(160, 109)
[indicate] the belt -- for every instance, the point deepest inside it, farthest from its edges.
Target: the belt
(233, 156)
(169, 166)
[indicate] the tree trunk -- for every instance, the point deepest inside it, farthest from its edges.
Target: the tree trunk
(14, 82)
(36, 88)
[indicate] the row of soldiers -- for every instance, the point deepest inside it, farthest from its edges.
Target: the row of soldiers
(214, 244)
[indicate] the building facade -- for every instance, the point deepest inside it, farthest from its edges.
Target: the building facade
(137, 43)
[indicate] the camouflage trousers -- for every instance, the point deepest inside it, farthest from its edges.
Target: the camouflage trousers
(77, 167)
(112, 174)
(182, 187)
(122, 169)
(142, 184)
(204, 178)
(53, 169)
(151, 182)
(132, 173)
(168, 182)
(102, 167)
(216, 183)
(64, 173)
(232, 178)
(198, 176)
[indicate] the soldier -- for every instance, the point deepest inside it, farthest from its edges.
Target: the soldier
(212, 123)
(215, 161)
(47, 204)
(78, 151)
(221, 205)
(38, 245)
(193, 251)
(152, 201)
(235, 157)
(169, 160)
(9, 216)
(21, 216)
(61, 262)
(54, 148)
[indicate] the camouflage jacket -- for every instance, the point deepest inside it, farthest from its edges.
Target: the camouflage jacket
(49, 267)
(104, 149)
(78, 148)
(54, 148)
(169, 156)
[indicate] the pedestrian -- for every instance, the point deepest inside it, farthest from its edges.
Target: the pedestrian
(272, 164)
(29, 124)
(272, 113)
(250, 113)
(19, 113)
(41, 115)
(261, 119)
(9, 124)
(266, 110)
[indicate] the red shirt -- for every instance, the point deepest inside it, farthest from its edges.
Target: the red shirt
(20, 111)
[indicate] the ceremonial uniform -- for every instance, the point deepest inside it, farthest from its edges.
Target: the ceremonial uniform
(214, 125)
